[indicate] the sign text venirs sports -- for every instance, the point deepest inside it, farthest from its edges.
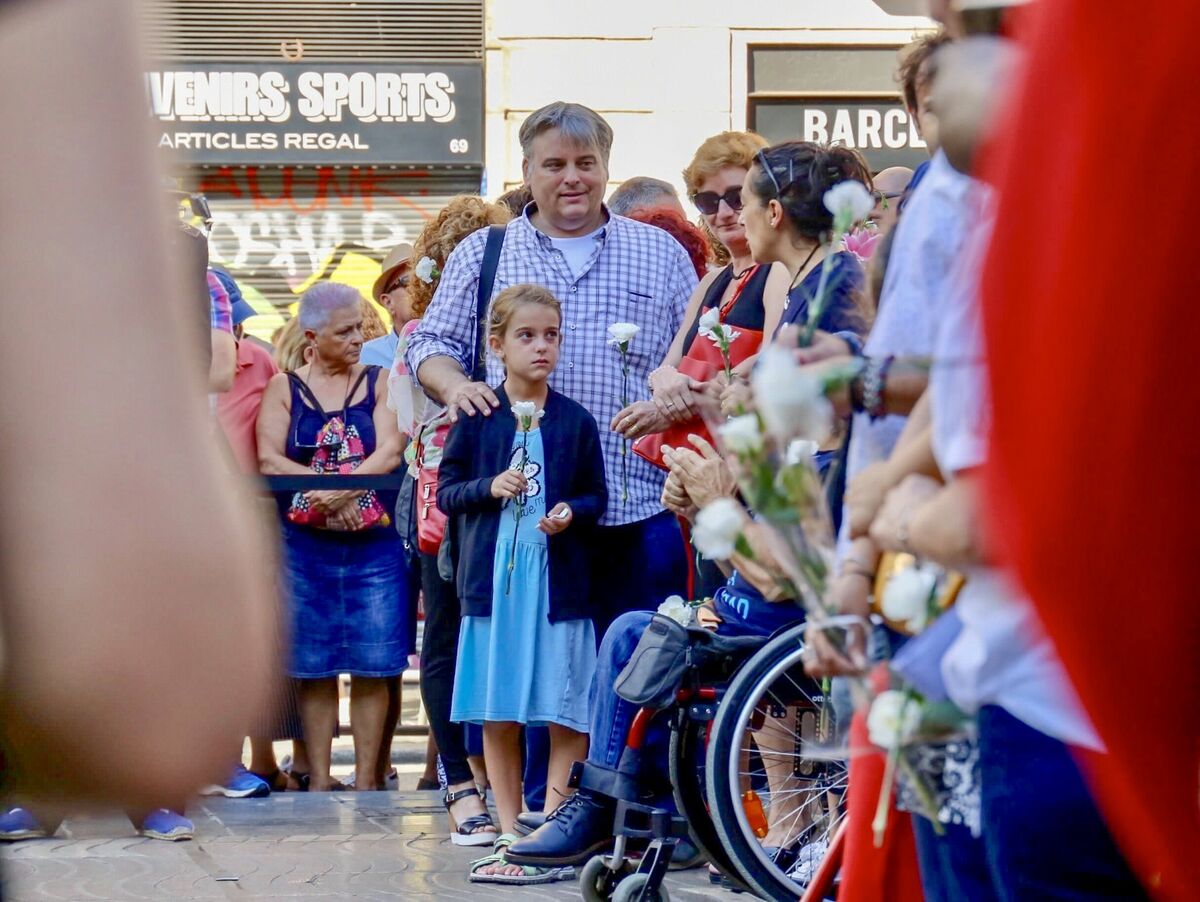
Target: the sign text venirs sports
(309, 113)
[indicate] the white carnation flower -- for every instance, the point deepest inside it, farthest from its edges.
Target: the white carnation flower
(893, 719)
(799, 451)
(791, 401)
(906, 597)
(524, 409)
(622, 333)
(424, 270)
(710, 318)
(678, 610)
(742, 435)
(717, 527)
(849, 201)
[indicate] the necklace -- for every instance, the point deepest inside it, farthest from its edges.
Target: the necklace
(803, 266)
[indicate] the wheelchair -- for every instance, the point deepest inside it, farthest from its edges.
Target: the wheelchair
(754, 788)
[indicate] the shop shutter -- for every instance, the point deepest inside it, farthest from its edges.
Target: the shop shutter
(315, 30)
(277, 231)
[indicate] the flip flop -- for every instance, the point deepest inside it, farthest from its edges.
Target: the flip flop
(530, 874)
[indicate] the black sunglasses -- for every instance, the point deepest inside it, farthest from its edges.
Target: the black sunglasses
(401, 282)
(708, 202)
(765, 165)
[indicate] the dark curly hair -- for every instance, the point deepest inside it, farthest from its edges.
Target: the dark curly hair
(690, 238)
(804, 171)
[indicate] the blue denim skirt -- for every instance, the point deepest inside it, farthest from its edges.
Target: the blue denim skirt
(347, 605)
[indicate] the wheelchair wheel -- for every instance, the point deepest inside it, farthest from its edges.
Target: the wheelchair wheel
(775, 807)
(629, 888)
(688, 767)
(597, 881)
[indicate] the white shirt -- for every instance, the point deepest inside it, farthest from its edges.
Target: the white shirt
(928, 242)
(1002, 656)
(577, 252)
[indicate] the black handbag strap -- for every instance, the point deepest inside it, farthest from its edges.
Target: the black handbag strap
(487, 280)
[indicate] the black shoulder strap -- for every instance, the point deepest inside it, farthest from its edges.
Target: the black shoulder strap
(307, 392)
(487, 280)
(357, 382)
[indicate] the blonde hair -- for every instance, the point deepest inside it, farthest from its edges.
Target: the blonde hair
(372, 324)
(290, 345)
(510, 299)
(719, 151)
(464, 215)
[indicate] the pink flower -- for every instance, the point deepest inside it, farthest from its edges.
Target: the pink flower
(861, 242)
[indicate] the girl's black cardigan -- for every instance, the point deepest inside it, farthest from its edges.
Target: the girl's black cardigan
(478, 449)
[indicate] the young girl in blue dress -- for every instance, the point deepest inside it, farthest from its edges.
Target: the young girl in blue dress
(523, 488)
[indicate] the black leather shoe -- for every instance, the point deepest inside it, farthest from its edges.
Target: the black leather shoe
(579, 828)
(528, 821)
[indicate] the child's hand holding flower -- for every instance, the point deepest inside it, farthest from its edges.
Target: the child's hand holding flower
(508, 485)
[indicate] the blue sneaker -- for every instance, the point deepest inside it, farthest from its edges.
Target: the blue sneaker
(241, 785)
(168, 825)
(18, 823)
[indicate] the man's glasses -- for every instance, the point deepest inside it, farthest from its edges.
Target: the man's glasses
(765, 165)
(401, 282)
(708, 202)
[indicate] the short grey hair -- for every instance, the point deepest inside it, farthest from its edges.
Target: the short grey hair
(579, 123)
(639, 192)
(320, 301)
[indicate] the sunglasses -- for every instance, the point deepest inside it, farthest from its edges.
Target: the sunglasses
(765, 165)
(401, 282)
(708, 202)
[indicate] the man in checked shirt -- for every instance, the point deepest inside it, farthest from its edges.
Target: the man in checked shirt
(604, 269)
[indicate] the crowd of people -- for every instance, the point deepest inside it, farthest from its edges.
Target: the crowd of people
(548, 391)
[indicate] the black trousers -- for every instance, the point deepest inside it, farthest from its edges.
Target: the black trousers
(439, 656)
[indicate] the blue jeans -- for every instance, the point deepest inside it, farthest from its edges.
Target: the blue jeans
(653, 550)
(610, 769)
(954, 865)
(1045, 838)
(537, 762)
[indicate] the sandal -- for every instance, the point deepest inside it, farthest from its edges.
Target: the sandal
(469, 832)
(530, 874)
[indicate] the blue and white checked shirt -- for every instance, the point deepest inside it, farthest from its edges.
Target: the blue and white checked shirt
(636, 274)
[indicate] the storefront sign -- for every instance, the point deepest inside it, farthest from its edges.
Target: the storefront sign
(298, 113)
(883, 132)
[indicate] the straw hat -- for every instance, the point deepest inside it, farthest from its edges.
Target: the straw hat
(400, 255)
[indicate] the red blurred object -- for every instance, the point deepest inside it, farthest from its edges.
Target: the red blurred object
(1090, 300)
(887, 873)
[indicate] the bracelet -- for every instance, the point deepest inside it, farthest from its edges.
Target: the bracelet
(874, 383)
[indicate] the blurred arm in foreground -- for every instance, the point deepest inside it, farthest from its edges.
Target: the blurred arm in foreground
(133, 618)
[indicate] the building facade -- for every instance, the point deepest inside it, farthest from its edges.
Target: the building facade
(668, 73)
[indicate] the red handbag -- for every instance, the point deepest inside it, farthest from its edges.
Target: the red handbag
(431, 522)
(702, 362)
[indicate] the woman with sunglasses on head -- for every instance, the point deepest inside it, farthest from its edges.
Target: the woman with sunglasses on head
(747, 296)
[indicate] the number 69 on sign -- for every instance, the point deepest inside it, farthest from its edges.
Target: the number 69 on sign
(459, 145)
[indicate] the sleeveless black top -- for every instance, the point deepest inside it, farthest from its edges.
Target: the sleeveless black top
(748, 311)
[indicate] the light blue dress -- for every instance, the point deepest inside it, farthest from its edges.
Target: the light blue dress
(527, 670)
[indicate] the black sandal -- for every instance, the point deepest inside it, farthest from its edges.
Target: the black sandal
(465, 833)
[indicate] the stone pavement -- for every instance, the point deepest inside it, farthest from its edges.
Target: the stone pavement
(379, 845)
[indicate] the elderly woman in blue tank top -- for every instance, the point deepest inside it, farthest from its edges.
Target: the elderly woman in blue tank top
(343, 561)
